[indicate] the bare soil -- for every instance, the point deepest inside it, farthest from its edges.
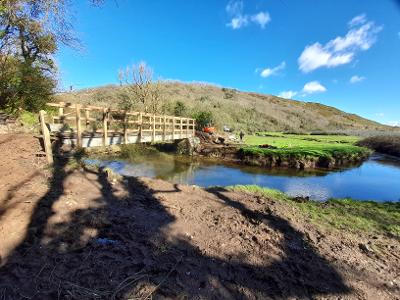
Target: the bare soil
(79, 234)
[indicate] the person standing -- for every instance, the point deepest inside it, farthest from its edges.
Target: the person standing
(241, 135)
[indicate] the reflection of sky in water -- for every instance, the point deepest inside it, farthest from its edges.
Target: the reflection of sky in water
(376, 179)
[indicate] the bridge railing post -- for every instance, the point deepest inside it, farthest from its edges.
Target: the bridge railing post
(181, 127)
(140, 121)
(46, 137)
(105, 125)
(153, 137)
(78, 125)
(173, 128)
(125, 127)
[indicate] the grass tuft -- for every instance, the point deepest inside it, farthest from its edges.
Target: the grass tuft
(344, 214)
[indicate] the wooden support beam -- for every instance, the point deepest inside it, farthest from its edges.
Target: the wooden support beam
(46, 137)
(78, 126)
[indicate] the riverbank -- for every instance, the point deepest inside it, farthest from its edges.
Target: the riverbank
(82, 233)
(383, 144)
(277, 150)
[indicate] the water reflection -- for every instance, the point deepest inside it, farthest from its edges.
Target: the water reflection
(376, 179)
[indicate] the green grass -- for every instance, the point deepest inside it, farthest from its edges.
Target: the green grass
(304, 146)
(29, 119)
(343, 214)
(320, 151)
(281, 140)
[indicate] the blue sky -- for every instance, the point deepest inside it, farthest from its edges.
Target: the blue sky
(343, 53)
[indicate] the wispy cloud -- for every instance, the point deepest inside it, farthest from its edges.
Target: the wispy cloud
(287, 94)
(313, 87)
(309, 88)
(393, 123)
(238, 19)
(358, 20)
(272, 71)
(262, 19)
(361, 36)
(380, 115)
(356, 78)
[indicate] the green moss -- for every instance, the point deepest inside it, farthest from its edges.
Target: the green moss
(344, 214)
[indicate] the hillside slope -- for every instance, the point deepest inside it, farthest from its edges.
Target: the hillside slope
(246, 111)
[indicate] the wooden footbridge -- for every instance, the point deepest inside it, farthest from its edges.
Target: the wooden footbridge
(92, 126)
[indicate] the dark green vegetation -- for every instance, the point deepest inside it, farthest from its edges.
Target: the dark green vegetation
(343, 214)
(30, 34)
(245, 111)
(384, 144)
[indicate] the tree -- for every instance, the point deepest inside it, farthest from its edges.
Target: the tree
(145, 92)
(203, 119)
(30, 32)
(179, 109)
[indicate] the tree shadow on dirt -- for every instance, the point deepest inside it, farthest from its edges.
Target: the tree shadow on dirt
(117, 249)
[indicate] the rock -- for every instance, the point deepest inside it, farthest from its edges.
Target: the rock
(188, 146)
(366, 248)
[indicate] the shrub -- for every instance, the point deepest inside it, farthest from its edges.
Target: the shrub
(203, 119)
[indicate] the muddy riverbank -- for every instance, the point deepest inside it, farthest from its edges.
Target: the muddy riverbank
(78, 233)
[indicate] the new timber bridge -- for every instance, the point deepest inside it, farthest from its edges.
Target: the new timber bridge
(92, 126)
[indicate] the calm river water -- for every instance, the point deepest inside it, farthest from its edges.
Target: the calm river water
(376, 179)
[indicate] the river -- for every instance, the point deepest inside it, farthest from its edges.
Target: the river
(376, 179)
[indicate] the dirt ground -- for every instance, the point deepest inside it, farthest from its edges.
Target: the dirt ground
(77, 234)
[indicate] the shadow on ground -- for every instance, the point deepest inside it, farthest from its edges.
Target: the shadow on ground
(117, 249)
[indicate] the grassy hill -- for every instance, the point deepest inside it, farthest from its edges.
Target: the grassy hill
(246, 111)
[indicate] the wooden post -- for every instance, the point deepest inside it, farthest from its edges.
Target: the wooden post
(165, 127)
(78, 125)
(125, 128)
(173, 128)
(46, 137)
(153, 138)
(61, 112)
(140, 126)
(87, 116)
(105, 125)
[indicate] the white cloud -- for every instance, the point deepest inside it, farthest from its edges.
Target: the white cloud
(380, 115)
(356, 78)
(340, 50)
(238, 22)
(357, 20)
(313, 87)
(393, 123)
(239, 19)
(262, 19)
(287, 94)
(273, 71)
